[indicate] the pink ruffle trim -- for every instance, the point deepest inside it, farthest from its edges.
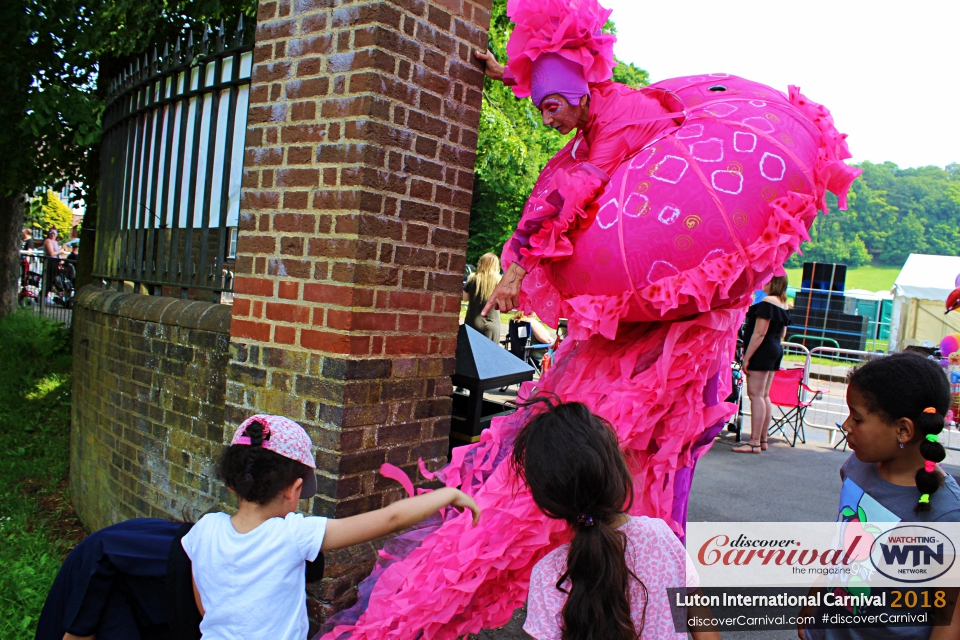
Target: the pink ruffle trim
(786, 228)
(649, 383)
(570, 29)
(830, 168)
(577, 188)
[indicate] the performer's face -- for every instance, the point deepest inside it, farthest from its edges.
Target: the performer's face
(563, 116)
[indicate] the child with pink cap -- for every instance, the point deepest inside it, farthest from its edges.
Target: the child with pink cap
(248, 568)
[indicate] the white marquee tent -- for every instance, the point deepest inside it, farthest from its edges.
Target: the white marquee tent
(918, 296)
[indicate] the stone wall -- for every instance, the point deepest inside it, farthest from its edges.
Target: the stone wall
(149, 383)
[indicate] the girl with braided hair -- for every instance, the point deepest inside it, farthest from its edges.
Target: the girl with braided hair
(897, 407)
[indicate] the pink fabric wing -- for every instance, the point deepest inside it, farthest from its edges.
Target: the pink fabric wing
(649, 382)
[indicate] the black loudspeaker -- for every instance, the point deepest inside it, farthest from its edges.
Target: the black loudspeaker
(824, 282)
(823, 329)
(823, 276)
(816, 301)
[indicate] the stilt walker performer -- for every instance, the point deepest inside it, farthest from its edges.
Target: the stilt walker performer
(648, 231)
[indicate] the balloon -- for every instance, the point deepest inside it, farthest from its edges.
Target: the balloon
(950, 344)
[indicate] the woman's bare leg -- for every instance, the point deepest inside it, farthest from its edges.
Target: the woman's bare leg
(768, 406)
(756, 383)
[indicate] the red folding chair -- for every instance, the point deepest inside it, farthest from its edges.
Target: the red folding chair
(789, 393)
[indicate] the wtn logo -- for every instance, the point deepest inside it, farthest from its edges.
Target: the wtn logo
(913, 553)
(921, 553)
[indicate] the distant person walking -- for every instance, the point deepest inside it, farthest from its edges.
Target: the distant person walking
(766, 326)
(51, 252)
(27, 241)
(477, 291)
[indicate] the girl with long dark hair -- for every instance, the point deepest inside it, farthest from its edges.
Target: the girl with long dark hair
(610, 581)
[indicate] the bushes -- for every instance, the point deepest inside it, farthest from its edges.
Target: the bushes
(37, 525)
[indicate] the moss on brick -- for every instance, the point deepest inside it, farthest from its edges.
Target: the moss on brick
(149, 391)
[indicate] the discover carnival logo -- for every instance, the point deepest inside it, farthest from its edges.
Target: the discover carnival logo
(746, 551)
(912, 554)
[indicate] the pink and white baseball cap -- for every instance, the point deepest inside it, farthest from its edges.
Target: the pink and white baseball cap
(287, 438)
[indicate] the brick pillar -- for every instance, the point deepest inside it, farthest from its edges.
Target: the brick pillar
(353, 229)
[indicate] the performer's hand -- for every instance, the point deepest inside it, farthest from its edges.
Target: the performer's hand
(70, 636)
(506, 295)
(494, 69)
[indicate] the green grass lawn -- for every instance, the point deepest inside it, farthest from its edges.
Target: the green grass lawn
(869, 278)
(37, 524)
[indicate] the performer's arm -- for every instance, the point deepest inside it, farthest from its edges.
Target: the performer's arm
(543, 231)
(639, 120)
(494, 70)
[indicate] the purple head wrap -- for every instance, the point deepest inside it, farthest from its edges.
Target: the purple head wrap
(552, 74)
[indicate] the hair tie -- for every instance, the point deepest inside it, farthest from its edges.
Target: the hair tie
(932, 437)
(925, 498)
(930, 410)
(929, 466)
(584, 520)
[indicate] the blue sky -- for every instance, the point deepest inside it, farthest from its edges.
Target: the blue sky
(888, 71)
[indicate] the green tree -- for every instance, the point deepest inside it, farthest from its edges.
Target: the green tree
(49, 211)
(52, 212)
(50, 119)
(894, 212)
(56, 60)
(907, 238)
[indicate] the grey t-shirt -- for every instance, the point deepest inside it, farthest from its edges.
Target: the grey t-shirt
(866, 497)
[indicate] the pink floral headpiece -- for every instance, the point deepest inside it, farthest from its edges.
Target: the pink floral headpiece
(572, 29)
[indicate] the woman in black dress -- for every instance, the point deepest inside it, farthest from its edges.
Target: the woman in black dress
(766, 326)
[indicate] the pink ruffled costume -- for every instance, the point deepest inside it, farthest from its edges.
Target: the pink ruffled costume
(648, 232)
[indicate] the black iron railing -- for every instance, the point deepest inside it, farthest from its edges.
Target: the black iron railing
(46, 285)
(172, 160)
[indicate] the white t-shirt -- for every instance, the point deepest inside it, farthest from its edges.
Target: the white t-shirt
(252, 585)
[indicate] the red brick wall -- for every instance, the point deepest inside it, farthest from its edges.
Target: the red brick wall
(355, 207)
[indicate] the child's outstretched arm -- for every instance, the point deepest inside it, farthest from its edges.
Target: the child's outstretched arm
(399, 515)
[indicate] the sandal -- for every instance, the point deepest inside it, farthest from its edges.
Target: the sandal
(763, 445)
(754, 448)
